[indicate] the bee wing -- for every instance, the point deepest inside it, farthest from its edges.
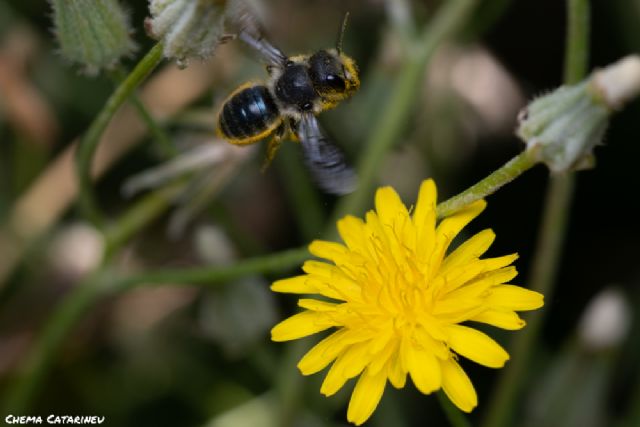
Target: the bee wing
(325, 161)
(250, 31)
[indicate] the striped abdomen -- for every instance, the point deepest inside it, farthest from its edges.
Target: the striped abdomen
(248, 115)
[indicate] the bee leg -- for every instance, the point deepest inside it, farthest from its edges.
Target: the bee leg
(274, 145)
(292, 125)
(271, 69)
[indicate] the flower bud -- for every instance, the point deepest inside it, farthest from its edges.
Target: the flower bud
(562, 128)
(94, 34)
(188, 28)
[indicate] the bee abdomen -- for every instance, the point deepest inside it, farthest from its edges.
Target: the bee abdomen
(248, 115)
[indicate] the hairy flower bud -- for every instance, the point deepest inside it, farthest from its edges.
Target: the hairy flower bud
(562, 128)
(94, 34)
(188, 28)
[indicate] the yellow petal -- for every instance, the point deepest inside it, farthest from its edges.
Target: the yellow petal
(300, 325)
(294, 285)
(353, 233)
(477, 289)
(470, 250)
(316, 305)
(424, 214)
(366, 396)
(382, 357)
(475, 278)
(457, 277)
(320, 269)
(449, 227)
(334, 380)
(397, 376)
(431, 336)
(457, 386)
(323, 353)
(424, 218)
(355, 359)
(452, 308)
(350, 363)
(504, 319)
(491, 264)
(330, 281)
(403, 354)
(392, 244)
(476, 346)
(425, 371)
(331, 251)
(389, 206)
(512, 297)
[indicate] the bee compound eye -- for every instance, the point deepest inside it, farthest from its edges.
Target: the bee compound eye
(307, 106)
(289, 63)
(334, 81)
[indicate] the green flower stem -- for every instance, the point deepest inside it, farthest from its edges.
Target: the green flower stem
(267, 264)
(489, 185)
(160, 137)
(577, 45)
(163, 142)
(546, 260)
(89, 142)
(453, 414)
(450, 18)
(552, 233)
(104, 282)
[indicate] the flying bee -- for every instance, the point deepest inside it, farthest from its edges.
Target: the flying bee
(286, 105)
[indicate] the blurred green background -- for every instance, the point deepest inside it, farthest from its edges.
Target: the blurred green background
(186, 356)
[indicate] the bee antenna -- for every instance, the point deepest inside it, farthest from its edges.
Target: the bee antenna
(343, 27)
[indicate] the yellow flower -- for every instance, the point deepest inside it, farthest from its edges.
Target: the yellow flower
(397, 301)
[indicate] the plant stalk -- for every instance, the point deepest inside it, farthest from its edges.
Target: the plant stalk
(88, 144)
(547, 255)
(489, 185)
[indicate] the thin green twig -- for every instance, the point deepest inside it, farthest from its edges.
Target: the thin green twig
(89, 142)
(163, 142)
(552, 233)
(489, 185)
(546, 260)
(577, 45)
(165, 146)
(210, 275)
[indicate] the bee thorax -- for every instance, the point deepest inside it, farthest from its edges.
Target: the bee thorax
(294, 88)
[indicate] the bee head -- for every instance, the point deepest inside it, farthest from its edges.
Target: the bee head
(334, 75)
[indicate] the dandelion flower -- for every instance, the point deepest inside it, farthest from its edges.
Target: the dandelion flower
(397, 302)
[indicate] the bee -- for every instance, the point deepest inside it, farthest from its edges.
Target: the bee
(286, 105)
